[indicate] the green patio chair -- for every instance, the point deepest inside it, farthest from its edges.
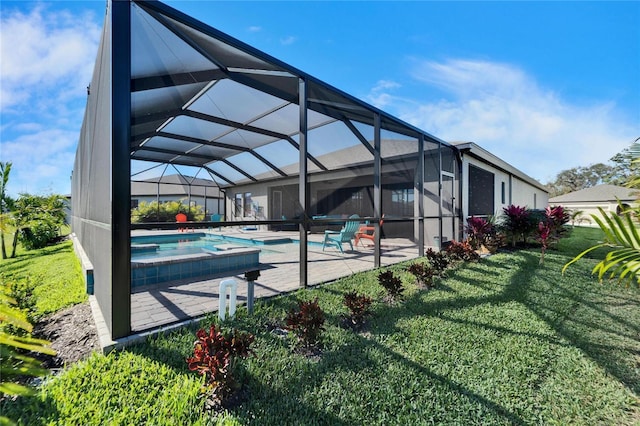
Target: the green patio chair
(345, 235)
(215, 218)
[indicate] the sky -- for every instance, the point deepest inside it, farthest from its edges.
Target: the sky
(546, 86)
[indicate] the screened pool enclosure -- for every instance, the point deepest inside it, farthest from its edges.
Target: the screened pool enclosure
(292, 160)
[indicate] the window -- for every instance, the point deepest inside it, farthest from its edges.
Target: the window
(248, 204)
(481, 192)
(237, 207)
(535, 203)
(402, 202)
(134, 204)
(503, 193)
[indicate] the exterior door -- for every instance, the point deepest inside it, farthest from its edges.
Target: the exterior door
(448, 206)
(276, 205)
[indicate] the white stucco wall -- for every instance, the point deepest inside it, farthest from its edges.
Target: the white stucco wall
(259, 199)
(589, 209)
(525, 194)
(517, 191)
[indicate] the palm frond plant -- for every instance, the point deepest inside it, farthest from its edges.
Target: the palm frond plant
(621, 235)
(575, 216)
(14, 348)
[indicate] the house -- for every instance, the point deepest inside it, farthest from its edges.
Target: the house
(191, 191)
(285, 148)
(588, 200)
(473, 182)
(490, 184)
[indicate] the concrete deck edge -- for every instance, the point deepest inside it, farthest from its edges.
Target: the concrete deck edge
(104, 336)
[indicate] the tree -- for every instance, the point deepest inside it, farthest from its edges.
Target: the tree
(578, 178)
(626, 166)
(5, 202)
(37, 219)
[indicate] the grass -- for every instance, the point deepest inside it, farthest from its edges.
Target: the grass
(503, 341)
(51, 277)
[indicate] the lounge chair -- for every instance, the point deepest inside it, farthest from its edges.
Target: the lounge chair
(181, 218)
(215, 218)
(345, 235)
(366, 232)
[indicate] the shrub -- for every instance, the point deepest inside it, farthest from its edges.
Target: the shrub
(424, 274)
(358, 305)
(215, 355)
(306, 322)
(543, 236)
(551, 228)
(165, 212)
(516, 221)
(38, 236)
(21, 289)
(439, 260)
(557, 217)
(494, 241)
(478, 230)
(38, 219)
(392, 284)
(462, 251)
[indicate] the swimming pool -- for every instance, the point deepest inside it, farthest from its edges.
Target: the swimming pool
(157, 259)
(147, 247)
(150, 246)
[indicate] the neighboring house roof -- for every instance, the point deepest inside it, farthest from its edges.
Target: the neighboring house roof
(175, 185)
(597, 194)
(482, 154)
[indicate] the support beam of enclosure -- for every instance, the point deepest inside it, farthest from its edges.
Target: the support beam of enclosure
(302, 183)
(121, 167)
(440, 194)
(377, 188)
(176, 79)
(420, 190)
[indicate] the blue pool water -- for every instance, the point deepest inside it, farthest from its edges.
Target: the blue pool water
(148, 247)
(151, 246)
(156, 259)
(168, 245)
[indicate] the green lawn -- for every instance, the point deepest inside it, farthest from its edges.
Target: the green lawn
(50, 278)
(503, 341)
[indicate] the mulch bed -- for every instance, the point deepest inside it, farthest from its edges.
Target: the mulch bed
(72, 333)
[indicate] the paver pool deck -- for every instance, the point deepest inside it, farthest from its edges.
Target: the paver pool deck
(279, 273)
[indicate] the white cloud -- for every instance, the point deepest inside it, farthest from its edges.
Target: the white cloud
(504, 110)
(47, 61)
(379, 96)
(56, 50)
(254, 29)
(41, 160)
(288, 40)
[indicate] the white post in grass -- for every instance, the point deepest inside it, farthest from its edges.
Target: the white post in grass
(231, 285)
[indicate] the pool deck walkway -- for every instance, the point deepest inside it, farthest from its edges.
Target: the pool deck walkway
(156, 308)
